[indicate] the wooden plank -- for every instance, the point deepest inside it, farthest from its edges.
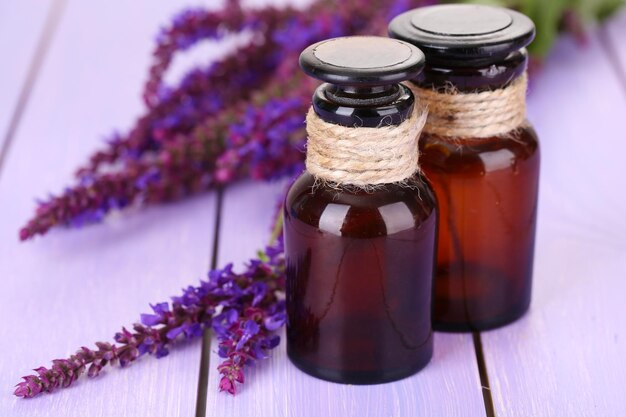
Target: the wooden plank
(566, 357)
(449, 386)
(22, 26)
(73, 288)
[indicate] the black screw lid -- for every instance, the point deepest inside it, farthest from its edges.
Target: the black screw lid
(362, 61)
(463, 32)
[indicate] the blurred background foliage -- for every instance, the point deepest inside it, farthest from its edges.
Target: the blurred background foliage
(552, 16)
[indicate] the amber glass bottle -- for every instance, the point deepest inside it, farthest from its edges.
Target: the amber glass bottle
(360, 262)
(486, 186)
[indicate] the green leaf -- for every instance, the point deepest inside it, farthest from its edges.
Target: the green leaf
(547, 15)
(594, 10)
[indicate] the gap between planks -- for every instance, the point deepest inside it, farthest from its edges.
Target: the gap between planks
(610, 50)
(43, 45)
(203, 376)
(484, 376)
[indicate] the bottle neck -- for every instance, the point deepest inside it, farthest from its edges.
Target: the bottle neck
(476, 78)
(359, 108)
(474, 101)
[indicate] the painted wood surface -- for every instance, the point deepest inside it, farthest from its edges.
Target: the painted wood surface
(21, 30)
(567, 357)
(613, 37)
(448, 386)
(77, 287)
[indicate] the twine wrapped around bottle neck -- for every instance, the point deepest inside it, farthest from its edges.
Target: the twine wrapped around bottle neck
(363, 156)
(452, 113)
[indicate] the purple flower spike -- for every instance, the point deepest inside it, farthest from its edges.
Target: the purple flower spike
(245, 304)
(239, 117)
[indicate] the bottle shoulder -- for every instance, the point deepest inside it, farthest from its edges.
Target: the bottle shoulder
(342, 211)
(484, 154)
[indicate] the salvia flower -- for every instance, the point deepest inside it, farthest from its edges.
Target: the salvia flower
(239, 117)
(244, 309)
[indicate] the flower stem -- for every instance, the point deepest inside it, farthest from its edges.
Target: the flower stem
(277, 230)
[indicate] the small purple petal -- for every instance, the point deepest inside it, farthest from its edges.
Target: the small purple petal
(222, 351)
(172, 334)
(251, 328)
(151, 319)
(143, 349)
(161, 308)
(195, 330)
(162, 351)
(275, 322)
(273, 341)
(259, 289)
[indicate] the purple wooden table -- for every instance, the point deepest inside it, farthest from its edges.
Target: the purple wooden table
(73, 71)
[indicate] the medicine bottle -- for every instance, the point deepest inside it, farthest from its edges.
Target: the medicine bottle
(360, 222)
(481, 157)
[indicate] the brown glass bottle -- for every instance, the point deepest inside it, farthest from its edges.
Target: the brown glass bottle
(486, 187)
(360, 280)
(360, 263)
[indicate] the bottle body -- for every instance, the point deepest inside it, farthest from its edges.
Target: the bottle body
(487, 193)
(359, 280)
(484, 163)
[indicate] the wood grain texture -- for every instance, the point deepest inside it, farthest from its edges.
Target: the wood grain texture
(448, 386)
(567, 356)
(73, 288)
(21, 27)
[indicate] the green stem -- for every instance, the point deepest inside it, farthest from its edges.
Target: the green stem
(277, 229)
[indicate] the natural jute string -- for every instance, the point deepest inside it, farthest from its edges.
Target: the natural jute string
(474, 115)
(363, 156)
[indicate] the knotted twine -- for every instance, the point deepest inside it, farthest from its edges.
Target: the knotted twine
(363, 156)
(452, 113)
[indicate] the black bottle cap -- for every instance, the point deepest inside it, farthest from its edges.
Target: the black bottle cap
(464, 34)
(362, 61)
(362, 75)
